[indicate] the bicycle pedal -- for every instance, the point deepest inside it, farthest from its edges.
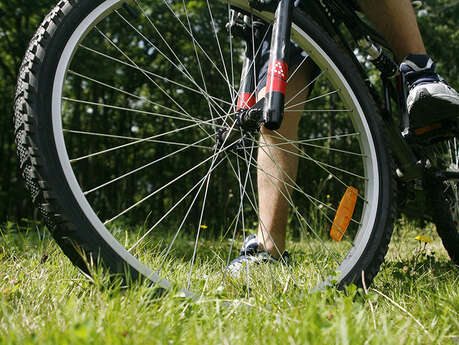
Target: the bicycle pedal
(436, 132)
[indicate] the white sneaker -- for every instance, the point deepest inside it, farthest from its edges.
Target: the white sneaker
(429, 103)
(250, 254)
(430, 99)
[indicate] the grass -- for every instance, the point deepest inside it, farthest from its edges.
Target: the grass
(45, 300)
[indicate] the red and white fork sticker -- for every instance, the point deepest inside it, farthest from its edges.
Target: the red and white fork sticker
(277, 76)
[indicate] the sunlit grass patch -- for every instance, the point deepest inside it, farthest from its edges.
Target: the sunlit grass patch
(44, 299)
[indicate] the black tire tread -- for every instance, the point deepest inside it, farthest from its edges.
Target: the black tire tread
(31, 162)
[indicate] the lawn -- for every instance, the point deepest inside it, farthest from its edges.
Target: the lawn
(45, 300)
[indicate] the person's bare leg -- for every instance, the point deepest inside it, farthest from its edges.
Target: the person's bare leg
(276, 168)
(396, 22)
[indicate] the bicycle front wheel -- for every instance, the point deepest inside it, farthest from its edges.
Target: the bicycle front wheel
(118, 107)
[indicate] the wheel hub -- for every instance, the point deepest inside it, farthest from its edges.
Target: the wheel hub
(248, 122)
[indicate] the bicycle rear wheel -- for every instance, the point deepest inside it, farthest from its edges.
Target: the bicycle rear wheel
(117, 111)
(443, 196)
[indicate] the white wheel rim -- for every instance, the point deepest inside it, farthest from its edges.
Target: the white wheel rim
(372, 187)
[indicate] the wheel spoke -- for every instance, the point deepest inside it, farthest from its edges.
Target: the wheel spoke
(143, 112)
(310, 100)
(158, 190)
(289, 199)
(189, 32)
(163, 91)
(307, 86)
(145, 166)
(199, 60)
(297, 213)
(201, 216)
(184, 68)
(155, 75)
(141, 98)
(212, 157)
(212, 21)
(294, 186)
(199, 184)
(139, 141)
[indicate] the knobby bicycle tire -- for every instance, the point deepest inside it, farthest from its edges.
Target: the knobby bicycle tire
(46, 103)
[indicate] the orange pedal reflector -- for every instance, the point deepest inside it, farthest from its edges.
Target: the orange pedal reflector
(427, 129)
(344, 214)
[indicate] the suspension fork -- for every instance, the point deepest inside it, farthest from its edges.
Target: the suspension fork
(276, 79)
(276, 82)
(269, 110)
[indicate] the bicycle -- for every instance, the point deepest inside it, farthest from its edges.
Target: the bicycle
(155, 143)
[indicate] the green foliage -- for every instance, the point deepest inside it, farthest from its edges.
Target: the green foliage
(439, 22)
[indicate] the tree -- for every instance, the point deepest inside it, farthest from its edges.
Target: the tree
(439, 22)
